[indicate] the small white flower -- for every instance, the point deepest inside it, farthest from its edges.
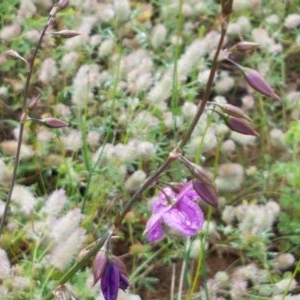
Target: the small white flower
(292, 21)
(48, 71)
(5, 270)
(55, 203)
(24, 199)
(158, 37)
(134, 181)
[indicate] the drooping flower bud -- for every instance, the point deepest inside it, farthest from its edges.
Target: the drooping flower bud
(33, 103)
(66, 33)
(240, 126)
(99, 265)
(54, 123)
(234, 111)
(245, 46)
(206, 192)
(256, 81)
(12, 54)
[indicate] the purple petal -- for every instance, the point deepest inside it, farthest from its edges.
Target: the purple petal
(124, 282)
(186, 218)
(154, 228)
(110, 282)
(188, 192)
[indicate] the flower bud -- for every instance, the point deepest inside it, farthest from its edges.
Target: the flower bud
(33, 103)
(245, 46)
(54, 123)
(12, 54)
(258, 83)
(241, 126)
(99, 265)
(66, 33)
(206, 192)
(234, 111)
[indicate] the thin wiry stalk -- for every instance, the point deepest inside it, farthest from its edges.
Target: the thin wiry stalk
(24, 117)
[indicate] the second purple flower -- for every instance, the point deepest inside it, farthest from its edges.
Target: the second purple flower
(177, 209)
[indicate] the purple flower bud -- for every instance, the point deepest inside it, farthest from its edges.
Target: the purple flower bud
(110, 281)
(33, 103)
(12, 54)
(258, 83)
(206, 192)
(234, 111)
(54, 123)
(99, 265)
(114, 277)
(240, 126)
(245, 46)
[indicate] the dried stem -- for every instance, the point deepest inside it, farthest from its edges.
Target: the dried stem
(24, 117)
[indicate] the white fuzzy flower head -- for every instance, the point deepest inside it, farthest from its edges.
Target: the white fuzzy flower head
(3, 91)
(248, 103)
(222, 279)
(189, 110)
(86, 79)
(55, 203)
(292, 21)
(67, 249)
(262, 37)
(69, 61)
(158, 36)
(228, 214)
(286, 284)
(10, 32)
(122, 9)
(196, 248)
(93, 137)
(230, 177)
(284, 261)
(64, 226)
(72, 141)
(145, 150)
(242, 139)
(23, 199)
(48, 70)
(10, 147)
(134, 181)
(106, 48)
(224, 83)
(5, 270)
(277, 139)
(228, 148)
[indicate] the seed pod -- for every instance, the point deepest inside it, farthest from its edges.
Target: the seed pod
(241, 126)
(54, 123)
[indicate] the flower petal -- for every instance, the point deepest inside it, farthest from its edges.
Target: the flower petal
(186, 218)
(110, 282)
(188, 192)
(154, 228)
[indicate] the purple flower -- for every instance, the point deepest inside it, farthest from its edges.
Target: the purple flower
(112, 273)
(178, 210)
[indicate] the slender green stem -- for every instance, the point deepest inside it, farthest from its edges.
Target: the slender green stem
(24, 117)
(81, 263)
